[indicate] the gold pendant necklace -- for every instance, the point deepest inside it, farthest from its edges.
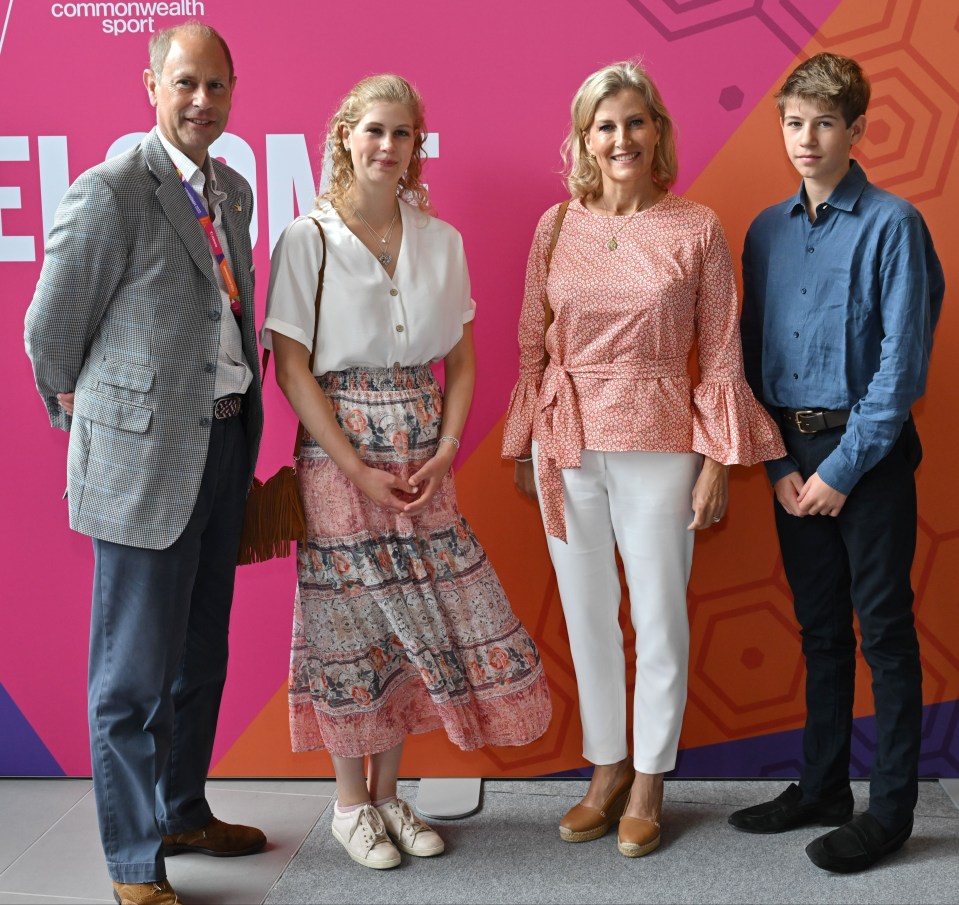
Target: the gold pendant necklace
(611, 243)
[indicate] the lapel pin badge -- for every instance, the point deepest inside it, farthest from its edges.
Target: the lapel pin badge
(238, 207)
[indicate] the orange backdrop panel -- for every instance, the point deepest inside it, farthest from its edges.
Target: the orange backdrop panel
(746, 665)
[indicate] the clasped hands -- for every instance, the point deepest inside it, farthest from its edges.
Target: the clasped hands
(407, 496)
(814, 497)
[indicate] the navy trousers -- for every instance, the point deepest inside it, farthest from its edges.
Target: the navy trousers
(158, 657)
(858, 562)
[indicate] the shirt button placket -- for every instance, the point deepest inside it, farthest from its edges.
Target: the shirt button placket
(398, 327)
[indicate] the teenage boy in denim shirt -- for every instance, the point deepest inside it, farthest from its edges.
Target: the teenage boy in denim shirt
(842, 291)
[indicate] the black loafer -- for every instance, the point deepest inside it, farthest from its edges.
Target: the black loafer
(857, 845)
(787, 812)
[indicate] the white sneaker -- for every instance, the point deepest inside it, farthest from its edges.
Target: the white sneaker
(362, 834)
(409, 833)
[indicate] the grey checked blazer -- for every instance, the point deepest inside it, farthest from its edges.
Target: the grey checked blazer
(127, 314)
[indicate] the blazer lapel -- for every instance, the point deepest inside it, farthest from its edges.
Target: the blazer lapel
(237, 236)
(172, 198)
(237, 229)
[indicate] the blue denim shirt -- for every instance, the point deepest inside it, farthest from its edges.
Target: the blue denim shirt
(839, 314)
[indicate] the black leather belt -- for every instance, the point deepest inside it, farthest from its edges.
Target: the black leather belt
(811, 421)
(227, 406)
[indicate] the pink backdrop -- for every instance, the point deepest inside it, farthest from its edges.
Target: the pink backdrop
(497, 77)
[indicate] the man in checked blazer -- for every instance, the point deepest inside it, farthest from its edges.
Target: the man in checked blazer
(137, 353)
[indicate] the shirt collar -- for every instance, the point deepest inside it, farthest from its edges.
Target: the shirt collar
(844, 196)
(186, 166)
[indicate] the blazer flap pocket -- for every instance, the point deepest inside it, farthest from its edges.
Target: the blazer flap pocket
(111, 412)
(127, 374)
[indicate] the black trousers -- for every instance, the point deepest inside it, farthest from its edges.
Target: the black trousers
(858, 562)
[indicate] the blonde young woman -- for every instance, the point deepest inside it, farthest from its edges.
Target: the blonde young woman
(608, 432)
(400, 623)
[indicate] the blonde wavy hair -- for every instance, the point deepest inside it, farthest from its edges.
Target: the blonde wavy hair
(385, 88)
(583, 176)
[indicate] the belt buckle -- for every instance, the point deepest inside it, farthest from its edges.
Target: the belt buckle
(227, 407)
(798, 419)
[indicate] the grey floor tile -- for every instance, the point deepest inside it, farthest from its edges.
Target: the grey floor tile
(951, 788)
(68, 862)
(508, 852)
(30, 808)
(323, 787)
(287, 820)
(12, 898)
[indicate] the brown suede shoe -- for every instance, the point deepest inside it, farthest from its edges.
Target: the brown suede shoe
(584, 822)
(222, 840)
(639, 836)
(158, 893)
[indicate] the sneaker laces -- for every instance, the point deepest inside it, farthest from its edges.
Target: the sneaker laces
(370, 824)
(409, 820)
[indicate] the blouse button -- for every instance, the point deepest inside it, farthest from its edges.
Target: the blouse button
(399, 328)
(394, 292)
(803, 290)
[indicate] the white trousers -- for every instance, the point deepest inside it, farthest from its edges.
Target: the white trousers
(640, 502)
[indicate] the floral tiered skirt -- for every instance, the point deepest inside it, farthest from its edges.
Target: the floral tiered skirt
(400, 623)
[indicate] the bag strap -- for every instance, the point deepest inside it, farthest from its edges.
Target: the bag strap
(319, 289)
(557, 226)
(300, 431)
(316, 330)
(319, 292)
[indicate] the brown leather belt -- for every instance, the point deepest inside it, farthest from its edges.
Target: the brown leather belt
(811, 421)
(227, 407)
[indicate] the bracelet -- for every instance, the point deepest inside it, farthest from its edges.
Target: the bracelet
(522, 459)
(449, 439)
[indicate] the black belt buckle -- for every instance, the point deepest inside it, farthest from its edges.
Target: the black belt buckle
(809, 421)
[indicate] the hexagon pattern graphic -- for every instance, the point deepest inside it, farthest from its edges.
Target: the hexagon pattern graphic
(784, 21)
(746, 697)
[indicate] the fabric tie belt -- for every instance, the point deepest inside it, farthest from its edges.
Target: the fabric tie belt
(227, 406)
(811, 421)
(562, 438)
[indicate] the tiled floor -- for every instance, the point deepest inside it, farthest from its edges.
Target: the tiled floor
(50, 852)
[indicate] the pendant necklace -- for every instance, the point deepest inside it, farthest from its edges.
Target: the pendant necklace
(384, 257)
(612, 244)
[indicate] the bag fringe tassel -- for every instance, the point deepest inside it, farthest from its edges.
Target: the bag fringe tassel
(274, 518)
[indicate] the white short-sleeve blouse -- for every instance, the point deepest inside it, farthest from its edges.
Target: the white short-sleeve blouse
(366, 318)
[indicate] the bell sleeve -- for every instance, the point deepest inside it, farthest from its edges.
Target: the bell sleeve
(518, 430)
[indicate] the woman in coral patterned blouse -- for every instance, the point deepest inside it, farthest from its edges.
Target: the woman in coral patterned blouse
(624, 452)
